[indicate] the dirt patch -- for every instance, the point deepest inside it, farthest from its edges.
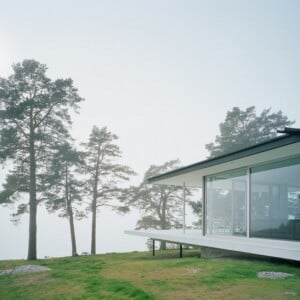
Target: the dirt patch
(36, 279)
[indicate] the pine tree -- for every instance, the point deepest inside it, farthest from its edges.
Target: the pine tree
(104, 174)
(34, 114)
(64, 191)
(160, 205)
(245, 128)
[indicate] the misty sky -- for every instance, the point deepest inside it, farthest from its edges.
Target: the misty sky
(159, 74)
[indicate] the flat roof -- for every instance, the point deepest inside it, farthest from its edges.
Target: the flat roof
(272, 149)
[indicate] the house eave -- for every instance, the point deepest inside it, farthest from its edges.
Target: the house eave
(277, 148)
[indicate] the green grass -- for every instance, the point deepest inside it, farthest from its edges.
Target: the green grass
(141, 276)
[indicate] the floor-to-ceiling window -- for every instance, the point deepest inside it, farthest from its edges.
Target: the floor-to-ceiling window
(226, 195)
(275, 200)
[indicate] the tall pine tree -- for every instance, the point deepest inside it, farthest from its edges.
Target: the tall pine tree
(34, 115)
(63, 189)
(104, 174)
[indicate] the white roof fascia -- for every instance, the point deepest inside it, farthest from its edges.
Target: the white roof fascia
(194, 178)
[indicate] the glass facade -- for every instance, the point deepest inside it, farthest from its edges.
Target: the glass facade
(274, 201)
(226, 203)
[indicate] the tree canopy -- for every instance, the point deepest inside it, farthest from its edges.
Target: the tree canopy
(243, 128)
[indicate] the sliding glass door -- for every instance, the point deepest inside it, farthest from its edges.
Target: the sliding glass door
(226, 203)
(275, 200)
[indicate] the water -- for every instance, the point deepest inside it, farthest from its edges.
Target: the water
(53, 236)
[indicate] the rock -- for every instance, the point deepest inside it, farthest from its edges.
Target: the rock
(24, 269)
(273, 275)
(5, 272)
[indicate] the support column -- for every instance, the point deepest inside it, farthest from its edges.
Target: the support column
(180, 251)
(203, 206)
(153, 247)
(184, 208)
(248, 207)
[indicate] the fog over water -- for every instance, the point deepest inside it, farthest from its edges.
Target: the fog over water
(159, 74)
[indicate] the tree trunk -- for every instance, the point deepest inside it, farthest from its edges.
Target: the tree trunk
(72, 231)
(94, 203)
(163, 245)
(32, 255)
(70, 214)
(94, 215)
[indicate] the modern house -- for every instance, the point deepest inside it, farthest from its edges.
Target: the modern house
(251, 199)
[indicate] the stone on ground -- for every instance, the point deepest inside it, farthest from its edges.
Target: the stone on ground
(273, 275)
(24, 269)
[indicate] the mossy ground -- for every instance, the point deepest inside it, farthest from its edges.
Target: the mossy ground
(141, 276)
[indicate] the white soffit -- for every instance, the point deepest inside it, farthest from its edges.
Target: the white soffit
(194, 178)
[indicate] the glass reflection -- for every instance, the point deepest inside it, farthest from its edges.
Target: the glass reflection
(226, 203)
(275, 200)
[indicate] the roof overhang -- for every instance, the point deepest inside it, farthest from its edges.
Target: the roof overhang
(283, 147)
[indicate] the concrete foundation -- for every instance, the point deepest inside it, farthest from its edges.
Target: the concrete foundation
(207, 252)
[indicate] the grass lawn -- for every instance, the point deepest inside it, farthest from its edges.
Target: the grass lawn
(141, 276)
